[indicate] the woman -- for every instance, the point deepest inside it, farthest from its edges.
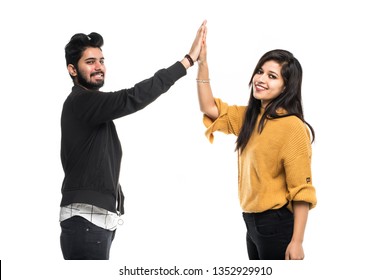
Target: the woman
(274, 153)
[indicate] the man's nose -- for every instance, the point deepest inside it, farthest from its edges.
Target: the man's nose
(98, 65)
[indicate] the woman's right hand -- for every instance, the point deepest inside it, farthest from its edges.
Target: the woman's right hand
(198, 42)
(205, 96)
(203, 51)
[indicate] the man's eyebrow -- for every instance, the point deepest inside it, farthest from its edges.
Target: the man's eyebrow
(94, 58)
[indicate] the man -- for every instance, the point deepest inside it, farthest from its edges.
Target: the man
(92, 198)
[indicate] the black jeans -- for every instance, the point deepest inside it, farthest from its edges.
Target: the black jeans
(268, 233)
(82, 240)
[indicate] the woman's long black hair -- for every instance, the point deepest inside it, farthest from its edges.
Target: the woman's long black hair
(290, 99)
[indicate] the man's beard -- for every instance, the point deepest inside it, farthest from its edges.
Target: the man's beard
(89, 85)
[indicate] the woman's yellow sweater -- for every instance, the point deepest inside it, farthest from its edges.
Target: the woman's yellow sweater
(275, 166)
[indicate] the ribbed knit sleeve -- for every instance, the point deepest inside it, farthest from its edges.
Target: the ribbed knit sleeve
(296, 158)
(229, 120)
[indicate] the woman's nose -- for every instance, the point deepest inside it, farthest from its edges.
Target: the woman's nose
(261, 78)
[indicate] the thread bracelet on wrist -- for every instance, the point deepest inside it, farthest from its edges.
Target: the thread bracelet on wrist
(189, 59)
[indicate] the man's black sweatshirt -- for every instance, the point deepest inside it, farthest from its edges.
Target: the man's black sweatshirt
(90, 148)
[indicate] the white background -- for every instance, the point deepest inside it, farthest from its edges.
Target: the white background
(181, 191)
